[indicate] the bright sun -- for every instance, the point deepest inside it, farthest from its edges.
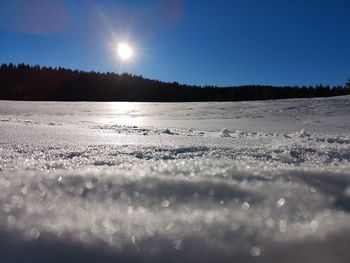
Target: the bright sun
(124, 51)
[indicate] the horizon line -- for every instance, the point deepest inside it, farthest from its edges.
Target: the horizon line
(174, 81)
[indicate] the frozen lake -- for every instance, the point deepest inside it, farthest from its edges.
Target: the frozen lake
(316, 115)
(263, 181)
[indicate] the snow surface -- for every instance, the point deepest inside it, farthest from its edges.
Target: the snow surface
(265, 181)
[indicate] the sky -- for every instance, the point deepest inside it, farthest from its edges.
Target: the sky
(206, 42)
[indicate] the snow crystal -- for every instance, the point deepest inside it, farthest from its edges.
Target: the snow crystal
(225, 133)
(255, 251)
(114, 186)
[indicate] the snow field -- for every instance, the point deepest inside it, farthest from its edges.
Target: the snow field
(80, 188)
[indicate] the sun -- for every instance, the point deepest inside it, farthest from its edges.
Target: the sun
(124, 51)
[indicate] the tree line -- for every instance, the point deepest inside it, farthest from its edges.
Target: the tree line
(24, 82)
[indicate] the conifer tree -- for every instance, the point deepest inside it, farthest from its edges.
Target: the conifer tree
(348, 83)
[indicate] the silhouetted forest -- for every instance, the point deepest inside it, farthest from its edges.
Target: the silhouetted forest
(24, 82)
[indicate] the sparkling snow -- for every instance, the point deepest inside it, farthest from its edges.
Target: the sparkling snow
(265, 181)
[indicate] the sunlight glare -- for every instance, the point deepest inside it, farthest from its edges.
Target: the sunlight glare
(124, 51)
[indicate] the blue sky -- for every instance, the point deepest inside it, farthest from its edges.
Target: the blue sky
(276, 42)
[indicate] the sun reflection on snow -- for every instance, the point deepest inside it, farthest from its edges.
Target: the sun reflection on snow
(122, 113)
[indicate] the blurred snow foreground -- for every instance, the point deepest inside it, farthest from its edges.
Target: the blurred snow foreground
(192, 182)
